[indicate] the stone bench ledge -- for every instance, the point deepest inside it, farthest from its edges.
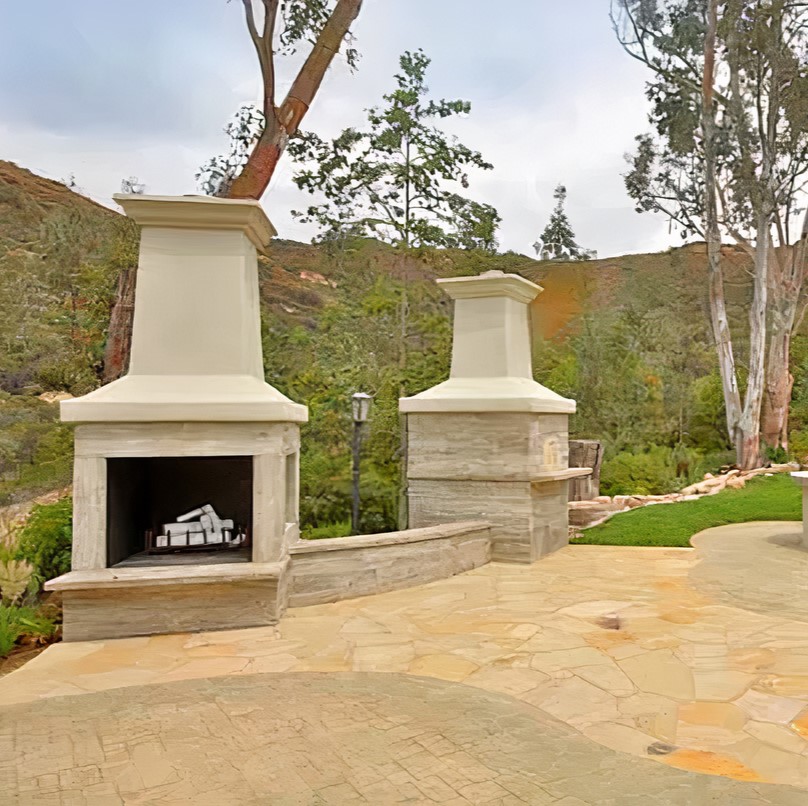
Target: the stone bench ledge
(155, 576)
(440, 532)
(562, 475)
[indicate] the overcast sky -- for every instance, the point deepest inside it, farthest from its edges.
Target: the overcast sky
(105, 90)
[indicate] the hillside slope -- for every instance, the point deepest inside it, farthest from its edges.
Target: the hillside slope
(677, 276)
(627, 336)
(299, 278)
(28, 201)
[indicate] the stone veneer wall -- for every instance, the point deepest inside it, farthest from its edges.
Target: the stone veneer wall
(500, 467)
(346, 567)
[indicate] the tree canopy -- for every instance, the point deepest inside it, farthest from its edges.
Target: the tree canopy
(728, 157)
(399, 179)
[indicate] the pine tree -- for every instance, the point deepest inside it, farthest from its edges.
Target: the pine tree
(557, 242)
(397, 179)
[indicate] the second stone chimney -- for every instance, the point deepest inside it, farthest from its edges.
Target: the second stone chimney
(490, 443)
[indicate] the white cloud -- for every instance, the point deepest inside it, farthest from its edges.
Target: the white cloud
(554, 100)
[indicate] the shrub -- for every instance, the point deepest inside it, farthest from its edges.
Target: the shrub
(777, 456)
(68, 374)
(18, 621)
(341, 529)
(10, 631)
(798, 446)
(709, 424)
(45, 540)
(650, 472)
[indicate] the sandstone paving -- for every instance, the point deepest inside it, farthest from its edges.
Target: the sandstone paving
(314, 739)
(639, 651)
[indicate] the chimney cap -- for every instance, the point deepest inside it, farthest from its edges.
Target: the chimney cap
(200, 212)
(491, 284)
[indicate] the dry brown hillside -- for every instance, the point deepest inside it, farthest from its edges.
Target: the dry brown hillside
(678, 276)
(298, 279)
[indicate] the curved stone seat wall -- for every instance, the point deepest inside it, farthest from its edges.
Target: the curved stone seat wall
(339, 568)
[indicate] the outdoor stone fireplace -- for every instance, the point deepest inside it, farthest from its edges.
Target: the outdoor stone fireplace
(191, 439)
(186, 470)
(490, 443)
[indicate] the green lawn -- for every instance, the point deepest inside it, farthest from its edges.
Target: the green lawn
(769, 498)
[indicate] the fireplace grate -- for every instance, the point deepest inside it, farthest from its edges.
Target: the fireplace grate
(210, 542)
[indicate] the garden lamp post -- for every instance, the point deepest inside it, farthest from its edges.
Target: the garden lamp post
(360, 404)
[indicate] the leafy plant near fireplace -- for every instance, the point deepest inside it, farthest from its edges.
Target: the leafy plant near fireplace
(23, 623)
(33, 553)
(45, 539)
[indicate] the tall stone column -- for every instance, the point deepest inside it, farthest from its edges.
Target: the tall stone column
(490, 443)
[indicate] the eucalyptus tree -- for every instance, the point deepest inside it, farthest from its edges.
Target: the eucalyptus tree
(259, 136)
(729, 158)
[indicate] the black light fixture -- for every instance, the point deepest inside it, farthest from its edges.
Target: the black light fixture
(360, 405)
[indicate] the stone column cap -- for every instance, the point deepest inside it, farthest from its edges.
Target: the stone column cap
(491, 284)
(200, 212)
(477, 395)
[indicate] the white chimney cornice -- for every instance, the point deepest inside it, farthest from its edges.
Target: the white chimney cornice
(200, 212)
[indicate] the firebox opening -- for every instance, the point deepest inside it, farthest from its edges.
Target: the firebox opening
(146, 493)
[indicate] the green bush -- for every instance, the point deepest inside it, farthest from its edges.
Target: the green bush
(658, 469)
(17, 621)
(798, 445)
(341, 529)
(708, 427)
(777, 456)
(67, 373)
(650, 472)
(45, 540)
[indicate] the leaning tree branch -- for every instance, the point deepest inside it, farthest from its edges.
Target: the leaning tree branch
(284, 121)
(270, 19)
(263, 48)
(311, 74)
(251, 26)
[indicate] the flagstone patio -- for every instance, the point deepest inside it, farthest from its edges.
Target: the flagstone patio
(584, 678)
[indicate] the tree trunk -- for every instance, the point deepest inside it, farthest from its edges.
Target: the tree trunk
(119, 335)
(283, 122)
(254, 178)
(787, 276)
(779, 380)
(723, 338)
(719, 319)
(747, 442)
